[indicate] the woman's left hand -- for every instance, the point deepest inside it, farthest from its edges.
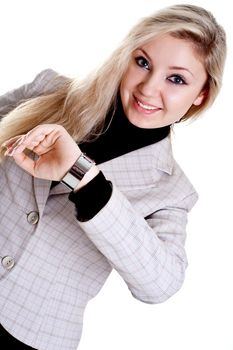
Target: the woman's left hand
(56, 151)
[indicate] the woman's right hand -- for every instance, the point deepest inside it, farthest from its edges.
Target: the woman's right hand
(56, 151)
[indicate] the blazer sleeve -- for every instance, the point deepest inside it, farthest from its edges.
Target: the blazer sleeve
(148, 253)
(45, 82)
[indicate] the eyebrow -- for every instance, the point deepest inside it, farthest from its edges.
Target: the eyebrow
(172, 67)
(181, 68)
(145, 53)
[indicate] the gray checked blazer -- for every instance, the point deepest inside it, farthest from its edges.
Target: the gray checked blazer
(60, 263)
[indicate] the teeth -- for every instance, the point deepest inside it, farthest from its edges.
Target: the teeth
(145, 106)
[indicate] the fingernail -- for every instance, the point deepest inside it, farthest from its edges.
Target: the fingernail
(18, 142)
(9, 152)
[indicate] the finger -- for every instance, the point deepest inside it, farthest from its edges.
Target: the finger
(27, 141)
(46, 134)
(25, 162)
(40, 149)
(9, 143)
(12, 143)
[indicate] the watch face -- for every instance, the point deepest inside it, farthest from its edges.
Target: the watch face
(78, 170)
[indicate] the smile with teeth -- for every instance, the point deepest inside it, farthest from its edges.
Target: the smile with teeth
(147, 107)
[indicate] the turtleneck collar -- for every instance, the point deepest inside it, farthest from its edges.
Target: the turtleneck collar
(120, 137)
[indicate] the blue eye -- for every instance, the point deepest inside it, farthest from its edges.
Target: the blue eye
(142, 62)
(177, 79)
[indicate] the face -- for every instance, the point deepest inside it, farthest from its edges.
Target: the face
(164, 79)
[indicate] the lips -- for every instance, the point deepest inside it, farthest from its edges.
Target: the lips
(146, 106)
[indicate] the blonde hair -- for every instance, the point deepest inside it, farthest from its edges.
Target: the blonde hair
(81, 106)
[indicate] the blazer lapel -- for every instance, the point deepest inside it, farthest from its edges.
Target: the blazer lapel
(41, 191)
(137, 169)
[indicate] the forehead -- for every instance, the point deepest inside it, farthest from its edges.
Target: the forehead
(171, 50)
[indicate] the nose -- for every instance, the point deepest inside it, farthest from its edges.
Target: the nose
(151, 86)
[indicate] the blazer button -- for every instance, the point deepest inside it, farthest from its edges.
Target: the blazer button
(33, 217)
(8, 262)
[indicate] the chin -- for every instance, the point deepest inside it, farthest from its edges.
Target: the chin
(144, 124)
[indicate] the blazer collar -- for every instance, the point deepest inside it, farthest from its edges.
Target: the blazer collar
(138, 168)
(159, 155)
(162, 156)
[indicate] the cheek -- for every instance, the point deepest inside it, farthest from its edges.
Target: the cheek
(126, 87)
(172, 99)
(130, 78)
(179, 99)
(124, 94)
(127, 81)
(123, 91)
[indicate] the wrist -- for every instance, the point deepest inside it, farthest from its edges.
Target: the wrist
(90, 174)
(80, 173)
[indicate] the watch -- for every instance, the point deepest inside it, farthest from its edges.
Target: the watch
(77, 171)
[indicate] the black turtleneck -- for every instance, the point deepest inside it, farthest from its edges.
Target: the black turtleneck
(118, 137)
(121, 137)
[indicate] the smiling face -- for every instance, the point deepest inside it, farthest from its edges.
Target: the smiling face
(165, 77)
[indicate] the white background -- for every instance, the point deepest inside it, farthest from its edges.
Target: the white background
(73, 37)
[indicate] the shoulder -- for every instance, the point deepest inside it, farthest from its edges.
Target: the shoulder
(46, 81)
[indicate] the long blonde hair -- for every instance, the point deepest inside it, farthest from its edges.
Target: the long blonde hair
(81, 106)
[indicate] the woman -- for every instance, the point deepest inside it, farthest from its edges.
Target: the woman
(110, 195)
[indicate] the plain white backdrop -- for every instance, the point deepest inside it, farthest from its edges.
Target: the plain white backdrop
(73, 37)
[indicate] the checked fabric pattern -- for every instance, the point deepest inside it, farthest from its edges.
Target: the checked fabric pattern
(60, 263)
